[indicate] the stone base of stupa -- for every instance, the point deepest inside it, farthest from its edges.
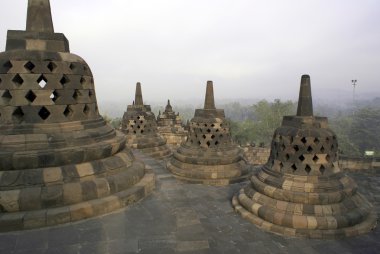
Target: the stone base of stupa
(208, 167)
(151, 145)
(320, 208)
(40, 197)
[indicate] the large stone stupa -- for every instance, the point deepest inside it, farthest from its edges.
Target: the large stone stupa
(301, 191)
(209, 156)
(140, 127)
(59, 160)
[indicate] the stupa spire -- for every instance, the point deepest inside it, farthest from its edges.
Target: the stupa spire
(209, 99)
(138, 95)
(305, 102)
(39, 17)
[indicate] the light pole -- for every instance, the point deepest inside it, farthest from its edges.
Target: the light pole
(353, 94)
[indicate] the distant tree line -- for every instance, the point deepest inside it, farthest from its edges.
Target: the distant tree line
(358, 130)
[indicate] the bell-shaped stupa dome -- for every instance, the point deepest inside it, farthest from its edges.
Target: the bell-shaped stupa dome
(59, 160)
(140, 127)
(209, 156)
(301, 191)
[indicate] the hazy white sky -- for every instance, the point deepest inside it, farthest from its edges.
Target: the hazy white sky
(249, 48)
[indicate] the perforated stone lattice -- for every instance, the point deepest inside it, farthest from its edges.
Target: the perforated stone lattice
(138, 124)
(46, 92)
(209, 135)
(302, 155)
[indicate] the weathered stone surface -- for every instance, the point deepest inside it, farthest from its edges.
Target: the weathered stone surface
(301, 190)
(58, 157)
(169, 125)
(209, 156)
(140, 127)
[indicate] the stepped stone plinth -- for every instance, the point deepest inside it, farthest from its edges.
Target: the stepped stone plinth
(59, 160)
(301, 191)
(140, 127)
(209, 156)
(169, 125)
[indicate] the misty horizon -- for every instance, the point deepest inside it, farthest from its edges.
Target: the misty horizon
(252, 50)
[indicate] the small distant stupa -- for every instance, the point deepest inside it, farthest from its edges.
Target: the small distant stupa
(169, 125)
(209, 156)
(301, 191)
(59, 160)
(139, 125)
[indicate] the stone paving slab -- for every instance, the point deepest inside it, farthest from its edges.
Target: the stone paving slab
(187, 219)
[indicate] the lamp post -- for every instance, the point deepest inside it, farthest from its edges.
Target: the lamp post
(353, 94)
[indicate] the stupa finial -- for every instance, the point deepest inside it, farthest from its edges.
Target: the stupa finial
(39, 17)
(305, 102)
(209, 99)
(138, 95)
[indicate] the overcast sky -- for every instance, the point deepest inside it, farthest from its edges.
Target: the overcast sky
(249, 48)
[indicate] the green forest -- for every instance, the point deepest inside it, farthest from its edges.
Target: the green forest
(357, 128)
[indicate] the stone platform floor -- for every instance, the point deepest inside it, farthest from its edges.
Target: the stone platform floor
(184, 218)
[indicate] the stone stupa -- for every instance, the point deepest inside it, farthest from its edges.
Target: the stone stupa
(140, 127)
(169, 125)
(59, 160)
(301, 191)
(209, 156)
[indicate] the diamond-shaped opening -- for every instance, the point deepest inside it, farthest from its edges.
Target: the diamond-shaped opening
(212, 136)
(199, 142)
(64, 80)
(72, 66)
(308, 169)
(82, 80)
(18, 114)
(327, 139)
(315, 158)
(7, 95)
(296, 148)
(309, 149)
(68, 111)
(54, 96)
(303, 140)
(51, 66)
(283, 147)
(42, 81)
(208, 130)
(208, 143)
(217, 130)
(8, 65)
(138, 127)
(30, 96)
(294, 167)
(287, 157)
(90, 93)
(142, 131)
(221, 136)
(204, 136)
(212, 125)
(322, 169)
(44, 113)
(18, 80)
(328, 157)
(216, 143)
(316, 141)
(29, 66)
(281, 165)
(323, 149)
(76, 94)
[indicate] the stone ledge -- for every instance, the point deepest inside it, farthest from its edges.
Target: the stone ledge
(55, 216)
